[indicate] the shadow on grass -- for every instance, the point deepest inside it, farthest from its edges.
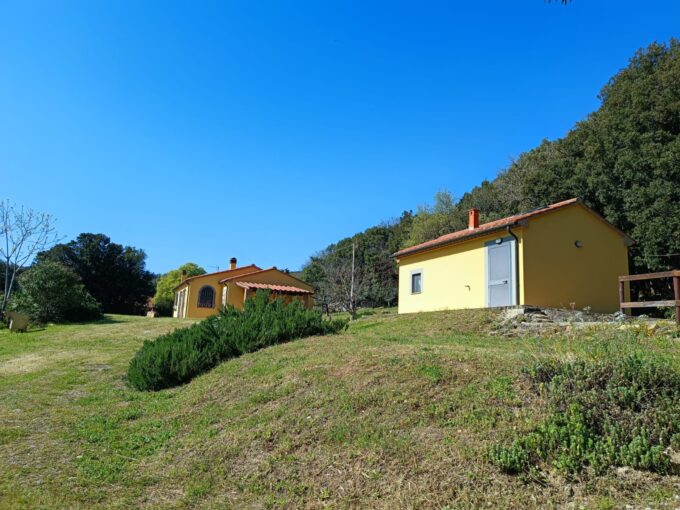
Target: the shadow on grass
(34, 328)
(105, 319)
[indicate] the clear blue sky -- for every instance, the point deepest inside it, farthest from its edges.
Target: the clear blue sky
(199, 131)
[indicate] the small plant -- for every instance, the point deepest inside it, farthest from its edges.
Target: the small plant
(620, 412)
(178, 357)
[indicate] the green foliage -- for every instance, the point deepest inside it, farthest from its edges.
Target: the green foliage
(623, 160)
(115, 275)
(179, 356)
(165, 295)
(50, 292)
(620, 412)
(434, 221)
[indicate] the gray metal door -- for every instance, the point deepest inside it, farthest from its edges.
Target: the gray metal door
(499, 273)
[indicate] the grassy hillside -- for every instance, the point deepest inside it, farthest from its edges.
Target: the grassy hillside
(398, 412)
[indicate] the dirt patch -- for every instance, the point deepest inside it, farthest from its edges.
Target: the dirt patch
(33, 362)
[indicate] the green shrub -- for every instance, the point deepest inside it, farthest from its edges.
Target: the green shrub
(620, 412)
(177, 357)
(51, 292)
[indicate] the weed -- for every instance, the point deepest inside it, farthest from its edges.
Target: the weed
(617, 412)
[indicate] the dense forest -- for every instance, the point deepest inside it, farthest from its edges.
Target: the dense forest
(623, 160)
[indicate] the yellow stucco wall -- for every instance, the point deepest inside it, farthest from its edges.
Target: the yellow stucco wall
(453, 277)
(235, 294)
(560, 274)
(212, 279)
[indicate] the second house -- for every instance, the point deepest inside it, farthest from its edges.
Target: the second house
(204, 295)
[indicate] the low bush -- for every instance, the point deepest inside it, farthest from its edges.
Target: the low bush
(177, 357)
(620, 412)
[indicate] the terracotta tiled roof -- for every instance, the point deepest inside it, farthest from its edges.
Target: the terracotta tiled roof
(235, 277)
(286, 289)
(239, 276)
(226, 271)
(489, 227)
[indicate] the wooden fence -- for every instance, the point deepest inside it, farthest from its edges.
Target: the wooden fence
(675, 302)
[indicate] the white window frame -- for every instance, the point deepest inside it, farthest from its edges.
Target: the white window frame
(413, 273)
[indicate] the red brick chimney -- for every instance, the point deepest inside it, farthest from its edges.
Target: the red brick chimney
(473, 218)
(232, 263)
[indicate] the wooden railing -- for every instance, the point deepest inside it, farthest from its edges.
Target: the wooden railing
(675, 274)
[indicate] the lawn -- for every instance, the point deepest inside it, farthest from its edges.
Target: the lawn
(397, 412)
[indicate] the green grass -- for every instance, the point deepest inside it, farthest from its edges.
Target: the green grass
(397, 412)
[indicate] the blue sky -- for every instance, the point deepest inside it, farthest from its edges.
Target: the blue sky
(199, 131)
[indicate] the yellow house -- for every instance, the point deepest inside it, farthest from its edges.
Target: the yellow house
(204, 295)
(564, 255)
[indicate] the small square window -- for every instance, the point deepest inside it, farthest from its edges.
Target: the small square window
(416, 283)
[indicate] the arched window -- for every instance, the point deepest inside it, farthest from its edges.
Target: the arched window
(206, 297)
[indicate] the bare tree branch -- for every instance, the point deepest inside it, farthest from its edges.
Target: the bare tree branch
(344, 281)
(23, 233)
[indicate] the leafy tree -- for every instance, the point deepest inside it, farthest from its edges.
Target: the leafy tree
(165, 295)
(623, 160)
(115, 275)
(433, 221)
(50, 292)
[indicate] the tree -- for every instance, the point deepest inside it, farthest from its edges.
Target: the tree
(343, 280)
(313, 273)
(114, 274)
(50, 292)
(623, 160)
(433, 221)
(23, 233)
(165, 295)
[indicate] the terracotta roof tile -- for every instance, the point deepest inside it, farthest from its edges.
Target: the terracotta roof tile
(225, 271)
(484, 228)
(276, 288)
(239, 276)
(258, 271)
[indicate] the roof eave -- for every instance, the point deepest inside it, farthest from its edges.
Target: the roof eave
(473, 235)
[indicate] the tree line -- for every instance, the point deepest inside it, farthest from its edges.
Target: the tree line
(623, 160)
(73, 281)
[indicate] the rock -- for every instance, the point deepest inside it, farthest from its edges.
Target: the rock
(512, 313)
(619, 316)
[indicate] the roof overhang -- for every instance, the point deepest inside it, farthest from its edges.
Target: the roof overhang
(474, 234)
(516, 221)
(278, 289)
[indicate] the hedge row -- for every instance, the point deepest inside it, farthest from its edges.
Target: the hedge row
(177, 357)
